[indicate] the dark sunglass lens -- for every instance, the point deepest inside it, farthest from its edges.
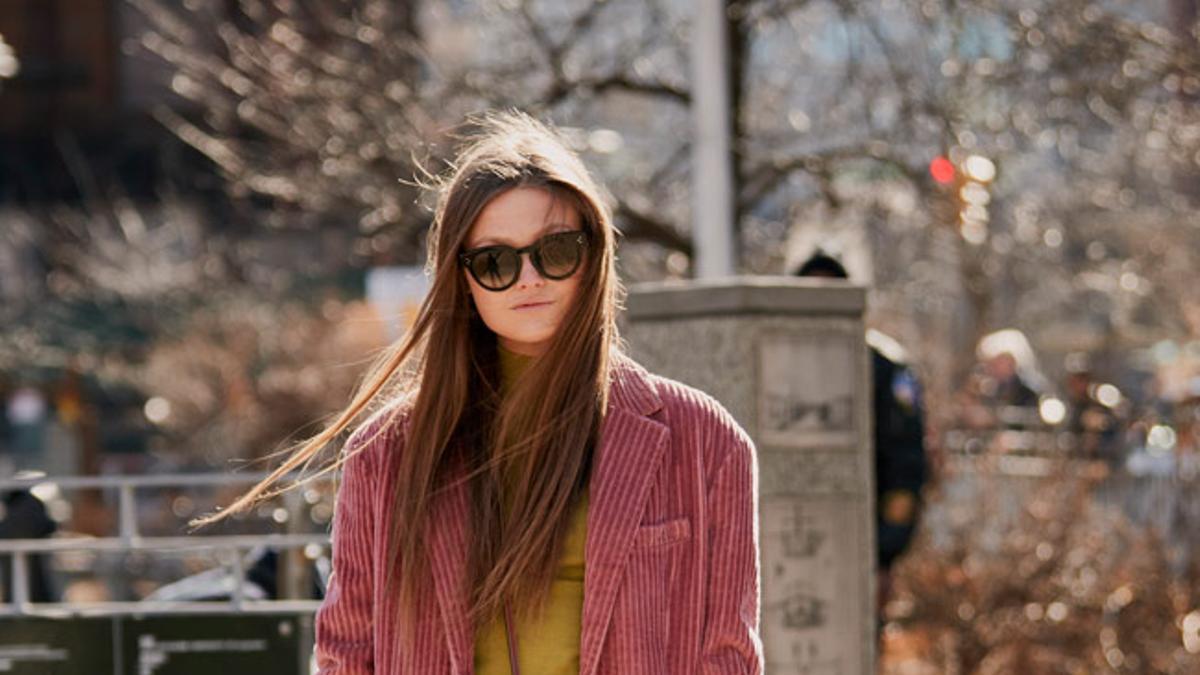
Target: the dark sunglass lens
(495, 269)
(560, 254)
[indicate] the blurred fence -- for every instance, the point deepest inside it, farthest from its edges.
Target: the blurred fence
(235, 626)
(1159, 492)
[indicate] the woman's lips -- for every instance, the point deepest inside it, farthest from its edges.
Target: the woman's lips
(533, 305)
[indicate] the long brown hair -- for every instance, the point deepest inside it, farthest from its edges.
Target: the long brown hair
(442, 378)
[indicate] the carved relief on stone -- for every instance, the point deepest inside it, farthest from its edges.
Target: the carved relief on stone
(807, 389)
(812, 591)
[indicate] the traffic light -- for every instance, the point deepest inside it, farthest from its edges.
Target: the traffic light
(942, 170)
(968, 193)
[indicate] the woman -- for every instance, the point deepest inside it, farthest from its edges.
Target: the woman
(525, 498)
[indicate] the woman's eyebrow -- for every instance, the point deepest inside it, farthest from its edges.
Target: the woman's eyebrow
(499, 239)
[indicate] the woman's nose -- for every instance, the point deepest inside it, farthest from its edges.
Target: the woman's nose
(529, 274)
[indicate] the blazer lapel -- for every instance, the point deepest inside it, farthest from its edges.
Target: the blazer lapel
(631, 447)
(449, 531)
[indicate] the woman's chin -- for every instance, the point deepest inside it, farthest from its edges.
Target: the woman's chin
(529, 345)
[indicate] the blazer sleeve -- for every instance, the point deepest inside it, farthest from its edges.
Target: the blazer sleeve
(344, 636)
(731, 642)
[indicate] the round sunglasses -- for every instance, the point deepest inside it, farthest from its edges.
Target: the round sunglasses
(555, 256)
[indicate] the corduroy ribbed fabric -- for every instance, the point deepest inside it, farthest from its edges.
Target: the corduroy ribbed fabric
(672, 569)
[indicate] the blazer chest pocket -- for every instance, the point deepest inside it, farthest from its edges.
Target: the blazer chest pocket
(645, 612)
(654, 535)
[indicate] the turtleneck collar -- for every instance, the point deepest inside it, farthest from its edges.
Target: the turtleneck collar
(512, 367)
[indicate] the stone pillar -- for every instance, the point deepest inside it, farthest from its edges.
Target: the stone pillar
(787, 357)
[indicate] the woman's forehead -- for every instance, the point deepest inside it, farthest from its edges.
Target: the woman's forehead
(519, 216)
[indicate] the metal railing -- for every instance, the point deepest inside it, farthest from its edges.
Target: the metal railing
(129, 539)
(1157, 491)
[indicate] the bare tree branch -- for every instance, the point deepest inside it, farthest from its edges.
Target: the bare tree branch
(641, 226)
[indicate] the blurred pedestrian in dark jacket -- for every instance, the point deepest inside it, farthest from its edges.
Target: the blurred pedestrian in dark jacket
(900, 461)
(23, 516)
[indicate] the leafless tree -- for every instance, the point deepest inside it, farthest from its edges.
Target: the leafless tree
(329, 109)
(324, 106)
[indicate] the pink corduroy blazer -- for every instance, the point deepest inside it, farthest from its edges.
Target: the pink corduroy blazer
(671, 565)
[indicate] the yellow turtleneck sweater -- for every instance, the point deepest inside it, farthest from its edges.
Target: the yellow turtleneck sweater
(548, 644)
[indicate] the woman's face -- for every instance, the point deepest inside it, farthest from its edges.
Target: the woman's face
(524, 316)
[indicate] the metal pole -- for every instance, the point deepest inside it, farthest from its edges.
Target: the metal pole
(239, 578)
(294, 579)
(127, 512)
(20, 582)
(712, 157)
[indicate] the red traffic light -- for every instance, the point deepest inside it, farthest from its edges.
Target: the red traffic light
(942, 170)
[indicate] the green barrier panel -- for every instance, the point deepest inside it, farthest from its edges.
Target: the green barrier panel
(56, 647)
(240, 644)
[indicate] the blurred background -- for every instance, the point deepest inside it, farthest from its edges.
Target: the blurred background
(211, 217)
